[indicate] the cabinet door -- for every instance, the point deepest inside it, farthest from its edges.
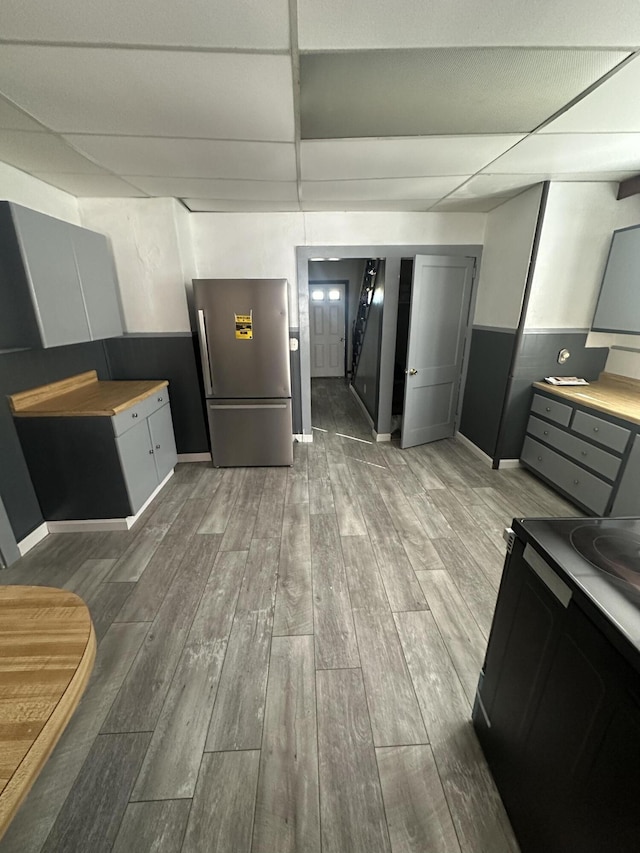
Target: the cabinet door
(98, 281)
(50, 265)
(138, 466)
(627, 500)
(163, 441)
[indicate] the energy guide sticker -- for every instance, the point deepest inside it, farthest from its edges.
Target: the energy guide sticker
(244, 327)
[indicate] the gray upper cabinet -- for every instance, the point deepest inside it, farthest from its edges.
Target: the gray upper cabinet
(57, 282)
(97, 274)
(618, 308)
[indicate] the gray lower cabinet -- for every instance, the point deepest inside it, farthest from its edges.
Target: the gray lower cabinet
(591, 458)
(58, 283)
(147, 452)
(99, 467)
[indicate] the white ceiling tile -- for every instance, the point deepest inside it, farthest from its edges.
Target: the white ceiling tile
(91, 186)
(208, 189)
(239, 24)
(190, 158)
(613, 106)
(42, 152)
(441, 91)
(385, 189)
(505, 185)
(343, 159)
(200, 205)
(12, 118)
(408, 205)
(469, 205)
(572, 153)
(334, 24)
(150, 92)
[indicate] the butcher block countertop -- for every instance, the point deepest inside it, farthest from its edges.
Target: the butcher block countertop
(47, 649)
(82, 396)
(615, 395)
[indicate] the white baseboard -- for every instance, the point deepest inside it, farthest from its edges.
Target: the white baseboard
(32, 539)
(381, 436)
(474, 448)
(303, 437)
(194, 457)
(97, 525)
(509, 463)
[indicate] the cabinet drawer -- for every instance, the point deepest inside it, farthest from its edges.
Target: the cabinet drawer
(586, 488)
(135, 414)
(604, 432)
(558, 412)
(586, 454)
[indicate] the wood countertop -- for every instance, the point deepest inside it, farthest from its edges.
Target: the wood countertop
(82, 396)
(47, 650)
(614, 395)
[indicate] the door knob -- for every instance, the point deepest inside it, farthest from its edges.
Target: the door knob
(413, 371)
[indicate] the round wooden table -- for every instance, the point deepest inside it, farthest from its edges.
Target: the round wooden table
(47, 649)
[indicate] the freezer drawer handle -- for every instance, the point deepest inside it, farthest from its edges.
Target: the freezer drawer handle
(268, 406)
(204, 353)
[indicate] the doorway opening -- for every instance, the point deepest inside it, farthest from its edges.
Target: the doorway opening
(435, 344)
(334, 288)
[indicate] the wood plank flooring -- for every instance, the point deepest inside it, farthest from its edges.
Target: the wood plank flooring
(287, 658)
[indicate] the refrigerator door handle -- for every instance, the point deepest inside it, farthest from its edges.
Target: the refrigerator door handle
(252, 406)
(204, 353)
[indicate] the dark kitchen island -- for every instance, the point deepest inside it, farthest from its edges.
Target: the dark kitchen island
(558, 705)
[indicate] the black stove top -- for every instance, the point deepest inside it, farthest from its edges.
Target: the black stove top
(601, 555)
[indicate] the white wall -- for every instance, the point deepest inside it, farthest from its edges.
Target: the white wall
(572, 254)
(152, 255)
(505, 260)
(24, 189)
(239, 245)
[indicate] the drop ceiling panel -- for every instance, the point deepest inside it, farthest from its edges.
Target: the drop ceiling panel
(92, 186)
(385, 189)
(190, 158)
(343, 159)
(556, 154)
(150, 92)
(208, 189)
(613, 106)
(469, 205)
(484, 186)
(441, 91)
(12, 118)
(374, 205)
(200, 205)
(239, 24)
(334, 24)
(42, 152)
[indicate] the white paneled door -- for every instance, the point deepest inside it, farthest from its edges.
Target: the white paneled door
(327, 320)
(440, 298)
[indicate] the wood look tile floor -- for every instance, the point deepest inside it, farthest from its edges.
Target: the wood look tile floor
(287, 657)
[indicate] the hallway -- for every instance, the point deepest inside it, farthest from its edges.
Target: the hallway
(287, 657)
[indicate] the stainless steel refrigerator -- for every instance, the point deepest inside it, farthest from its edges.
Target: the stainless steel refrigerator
(243, 328)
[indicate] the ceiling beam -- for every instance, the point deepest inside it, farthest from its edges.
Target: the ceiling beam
(629, 187)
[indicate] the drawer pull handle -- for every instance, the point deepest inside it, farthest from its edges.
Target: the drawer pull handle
(134, 415)
(547, 408)
(596, 429)
(545, 432)
(539, 458)
(151, 452)
(157, 447)
(160, 399)
(576, 482)
(583, 452)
